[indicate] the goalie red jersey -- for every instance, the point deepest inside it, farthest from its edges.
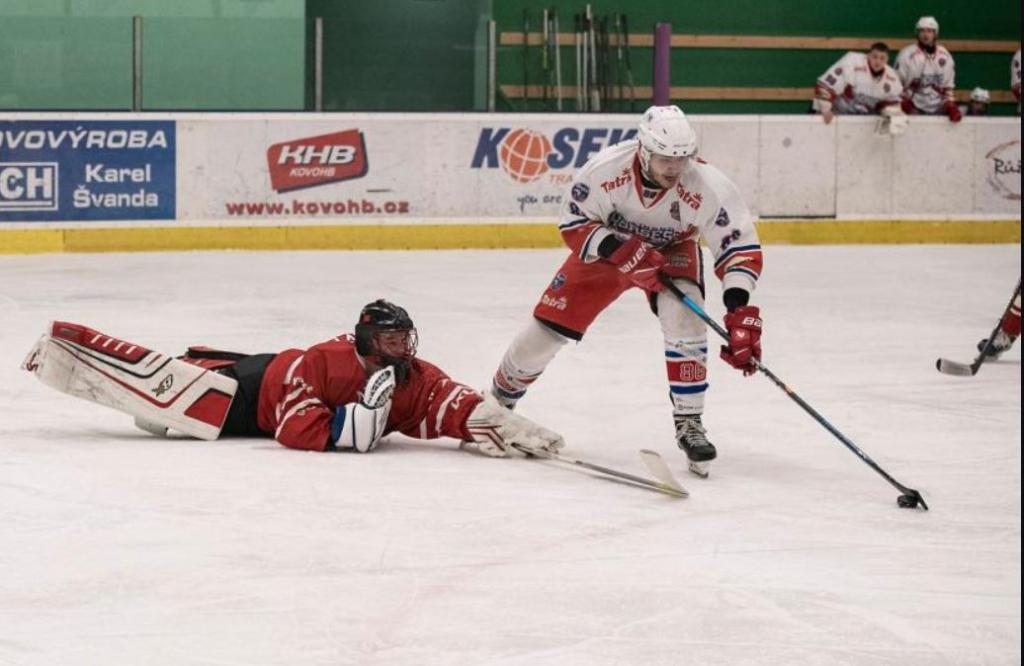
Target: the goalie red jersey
(303, 389)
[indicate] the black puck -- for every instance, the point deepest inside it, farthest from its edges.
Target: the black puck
(907, 501)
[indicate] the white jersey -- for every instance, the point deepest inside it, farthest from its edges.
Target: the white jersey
(850, 87)
(928, 78)
(1015, 77)
(704, 204)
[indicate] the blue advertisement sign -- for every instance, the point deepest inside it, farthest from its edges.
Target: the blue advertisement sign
(56, 170)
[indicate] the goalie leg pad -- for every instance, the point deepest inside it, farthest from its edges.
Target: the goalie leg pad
(148, 385)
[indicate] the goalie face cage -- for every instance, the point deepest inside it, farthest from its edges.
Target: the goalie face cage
(392, 344)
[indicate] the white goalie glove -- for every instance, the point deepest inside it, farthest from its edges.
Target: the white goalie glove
(495, 429)
(360, 425)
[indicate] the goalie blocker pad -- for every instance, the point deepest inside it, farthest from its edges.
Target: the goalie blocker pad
(148, 385)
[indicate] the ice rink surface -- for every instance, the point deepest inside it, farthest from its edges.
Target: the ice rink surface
(120, 548)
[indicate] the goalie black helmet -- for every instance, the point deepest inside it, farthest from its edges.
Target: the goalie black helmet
(386, 336)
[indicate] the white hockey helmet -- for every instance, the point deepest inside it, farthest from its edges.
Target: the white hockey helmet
(664, 130)
(980, 95)
(927, 23)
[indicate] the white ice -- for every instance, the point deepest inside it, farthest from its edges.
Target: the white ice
(120, 548)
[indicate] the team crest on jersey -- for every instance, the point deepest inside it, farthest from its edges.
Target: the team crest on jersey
(831, 80)
(886, 87)
(942, 62)
(580, 192)
(673, 210)
(723, 218)
(557, 283)
(839, 71)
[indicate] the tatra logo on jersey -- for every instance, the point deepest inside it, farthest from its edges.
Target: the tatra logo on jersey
(617, 182)
(692, 199)
(526, 155)
(557, 303)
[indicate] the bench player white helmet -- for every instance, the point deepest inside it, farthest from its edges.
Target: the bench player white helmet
(927, 23)
(664, 130)
(980, 95)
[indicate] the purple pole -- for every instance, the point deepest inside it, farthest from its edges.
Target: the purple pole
(662, 52)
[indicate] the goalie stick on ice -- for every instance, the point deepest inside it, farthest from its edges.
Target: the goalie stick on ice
(664, 481)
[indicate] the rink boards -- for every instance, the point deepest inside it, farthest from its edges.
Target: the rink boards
(121, 182)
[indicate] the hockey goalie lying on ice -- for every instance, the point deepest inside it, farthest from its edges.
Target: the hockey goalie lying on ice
(346, 393)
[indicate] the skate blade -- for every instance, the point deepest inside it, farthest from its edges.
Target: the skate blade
(701, 469)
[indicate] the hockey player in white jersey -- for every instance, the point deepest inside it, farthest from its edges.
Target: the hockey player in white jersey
(859, 83)
(928, 73)
(636, 210)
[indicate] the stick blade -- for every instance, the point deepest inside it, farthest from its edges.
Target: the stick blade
(947, 367)
(659, 469)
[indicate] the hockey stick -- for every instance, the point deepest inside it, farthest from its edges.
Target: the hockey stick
(606, 64)
(526, 60)
(545, 61)
(909, 499)
(948, 367)
(592, 82)
(558, 59)
(666, 484)
(618, 61)
(579, 64)
(629, 64)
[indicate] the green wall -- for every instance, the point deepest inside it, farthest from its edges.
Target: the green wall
(197, 55)
(400, 55)
(413, 55)
(981, 19)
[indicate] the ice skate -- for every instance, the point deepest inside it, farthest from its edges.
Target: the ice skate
(692, 439)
